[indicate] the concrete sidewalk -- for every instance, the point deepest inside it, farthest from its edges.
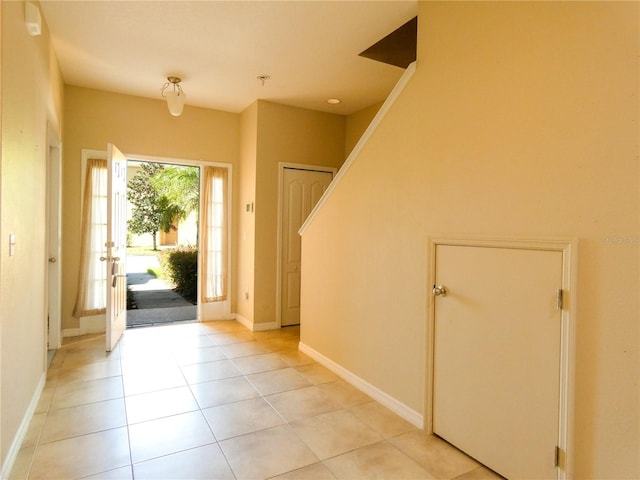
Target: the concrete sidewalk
(155, 300)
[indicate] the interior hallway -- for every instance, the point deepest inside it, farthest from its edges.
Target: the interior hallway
(217, 401)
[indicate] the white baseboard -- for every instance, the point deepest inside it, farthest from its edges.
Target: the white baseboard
(261, 327)
(256, 327)
(70, 332)
(87, 325)
(396, 406)
(244, 321)
(16, 444)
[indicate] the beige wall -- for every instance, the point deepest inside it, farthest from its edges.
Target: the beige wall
(136, 126)
(30, 113)
(246, 220)
(254, 142)
(292, 135)
(34, 110)
(521, 120)
(356, 124)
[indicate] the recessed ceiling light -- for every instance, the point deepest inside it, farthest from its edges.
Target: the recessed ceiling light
(334, 101)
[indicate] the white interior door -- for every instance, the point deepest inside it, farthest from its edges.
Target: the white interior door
(116, 246)
(54, 295)
(497, 356)
(301, 190)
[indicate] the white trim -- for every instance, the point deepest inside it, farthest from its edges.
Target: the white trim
(93, 324)
(569, 249)
(54, 244)
(255, 327)
(134, 157)
(281, 168)
(396, 406)
(261, 327)
(87, 325)
(16, 444)
(201, 312)
(212, 311)
(244, 322)
(71, 332)
(391, 99)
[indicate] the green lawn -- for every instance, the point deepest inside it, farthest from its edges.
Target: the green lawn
(156, 272)
(142, 251)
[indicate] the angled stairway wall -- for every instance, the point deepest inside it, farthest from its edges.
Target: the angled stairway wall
(520, 121)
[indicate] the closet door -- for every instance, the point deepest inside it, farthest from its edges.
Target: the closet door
(301, 191)
(497, 356)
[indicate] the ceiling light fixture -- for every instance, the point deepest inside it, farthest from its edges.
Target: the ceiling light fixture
(175, 96)
(334, 101)
(263, 78)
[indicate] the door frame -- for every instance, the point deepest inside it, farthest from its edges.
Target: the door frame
(569, 249)
(219, 310)
(54, 246)
(281, 168)
(96, 324)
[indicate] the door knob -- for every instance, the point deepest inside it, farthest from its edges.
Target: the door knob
(52, 260)
(440, 290)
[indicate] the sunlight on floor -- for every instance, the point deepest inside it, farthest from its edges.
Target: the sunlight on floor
(215, 400)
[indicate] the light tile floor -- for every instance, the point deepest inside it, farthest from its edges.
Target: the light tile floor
(216, 401)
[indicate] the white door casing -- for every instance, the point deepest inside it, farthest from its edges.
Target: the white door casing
(211, 310)
(502, 354)
(301, 188)
(116, 246)
(54, 294)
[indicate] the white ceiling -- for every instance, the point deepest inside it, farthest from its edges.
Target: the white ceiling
(309, 48)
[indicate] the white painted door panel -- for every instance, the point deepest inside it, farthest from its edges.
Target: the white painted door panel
(301, 191)
(116, 246)
(54, 293)
(497, 356)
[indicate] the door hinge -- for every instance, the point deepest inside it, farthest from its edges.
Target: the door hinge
(556, 457)
(560, 299)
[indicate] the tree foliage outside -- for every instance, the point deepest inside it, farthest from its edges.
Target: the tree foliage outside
(181, 186)
(160, 196)
(147, 209)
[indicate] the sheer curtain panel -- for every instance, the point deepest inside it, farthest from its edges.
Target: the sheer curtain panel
(214, 235)
(92, 280)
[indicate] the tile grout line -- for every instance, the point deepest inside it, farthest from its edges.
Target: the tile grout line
(274, 348)
(126, 412)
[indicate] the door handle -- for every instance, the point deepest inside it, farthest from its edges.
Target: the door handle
(439, 290)
(52, 260)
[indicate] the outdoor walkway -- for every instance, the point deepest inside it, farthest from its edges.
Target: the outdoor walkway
(155, 300)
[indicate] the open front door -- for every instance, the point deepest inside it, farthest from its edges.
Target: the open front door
(116, 246)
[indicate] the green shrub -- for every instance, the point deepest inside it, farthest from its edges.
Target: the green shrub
(181, 267)
(155, 272)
